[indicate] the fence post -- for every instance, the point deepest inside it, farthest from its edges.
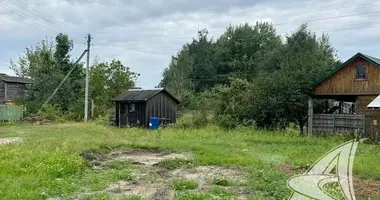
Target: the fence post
(363, 125)
(334, 124)
(310, 118)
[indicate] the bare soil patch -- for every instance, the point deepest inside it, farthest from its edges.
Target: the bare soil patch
(362, 187)
(152, 181)
(367, 187)
(145, 156)
(10, 140)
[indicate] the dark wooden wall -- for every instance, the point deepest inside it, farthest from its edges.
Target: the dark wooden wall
(343, 82)
(127, 118)
(2, 92)
(117, 113)
(161, 106)
(15, 91)
(370, 115)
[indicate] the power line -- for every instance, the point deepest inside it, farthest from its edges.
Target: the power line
(38, 13)
(330, 9)
(26, 18)
(285, 23)
(328, 18)
(19, 21)
(164, 43)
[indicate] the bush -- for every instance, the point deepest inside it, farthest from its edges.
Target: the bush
(226, 122)
(194, 120)
(102, 120)
(52, 113)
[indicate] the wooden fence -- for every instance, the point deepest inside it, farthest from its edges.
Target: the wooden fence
(11, 113)
(334, 123)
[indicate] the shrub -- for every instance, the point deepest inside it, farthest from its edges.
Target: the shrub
(226, 122)
(102, 120)
(195, 120)
(51, 112)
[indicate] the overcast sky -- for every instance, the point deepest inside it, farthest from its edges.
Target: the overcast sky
(144, 34)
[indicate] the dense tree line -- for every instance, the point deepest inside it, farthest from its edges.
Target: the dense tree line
(250, 74)
(47, 63)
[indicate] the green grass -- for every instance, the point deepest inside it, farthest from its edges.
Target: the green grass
(48, 162)
(222, 182)
(183, 184)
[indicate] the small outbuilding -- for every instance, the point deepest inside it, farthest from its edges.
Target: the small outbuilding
(136, 106)
(12, 88)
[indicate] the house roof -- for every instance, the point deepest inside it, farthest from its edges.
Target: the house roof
(142, 95)
(373, 60)
(14, 79)
(375, 103)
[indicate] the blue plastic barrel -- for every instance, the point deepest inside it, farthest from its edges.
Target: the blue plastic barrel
(154, 123)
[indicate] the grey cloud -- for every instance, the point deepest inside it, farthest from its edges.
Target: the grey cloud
(145, 34)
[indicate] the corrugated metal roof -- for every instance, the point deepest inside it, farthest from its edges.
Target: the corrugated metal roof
(373, 59)
(14, 79)
(141, 95)
(375, 103)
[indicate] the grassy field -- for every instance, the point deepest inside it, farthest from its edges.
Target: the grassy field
(49, 163)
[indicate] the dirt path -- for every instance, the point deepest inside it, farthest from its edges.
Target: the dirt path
(10, 140)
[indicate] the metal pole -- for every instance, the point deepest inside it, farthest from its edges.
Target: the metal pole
(87, 78)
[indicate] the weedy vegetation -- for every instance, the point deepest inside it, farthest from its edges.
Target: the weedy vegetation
(50, 162)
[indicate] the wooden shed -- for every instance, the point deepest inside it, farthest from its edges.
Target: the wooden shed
(12, 88)
(358, 81)
(136, 106)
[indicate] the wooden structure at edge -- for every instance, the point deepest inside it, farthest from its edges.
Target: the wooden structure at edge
(357, 80)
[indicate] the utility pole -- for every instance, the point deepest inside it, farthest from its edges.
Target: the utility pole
(87, 78)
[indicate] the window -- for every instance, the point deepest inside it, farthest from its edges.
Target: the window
(132, 107)
(361, 73)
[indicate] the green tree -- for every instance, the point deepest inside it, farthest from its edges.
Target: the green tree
(47, 64)
(202, 72)
(107, 81)
(246, 51)
(305, 59)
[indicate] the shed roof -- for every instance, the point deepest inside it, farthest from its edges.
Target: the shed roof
(142, 95)
(15, 79)
(373, 60)
(375, 103)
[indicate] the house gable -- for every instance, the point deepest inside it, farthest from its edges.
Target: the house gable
(357, 76)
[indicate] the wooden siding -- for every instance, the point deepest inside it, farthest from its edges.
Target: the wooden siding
(2, 92)
(161, 106)
(343, 82)
(370, 115)
(132, 118)
(15, 91)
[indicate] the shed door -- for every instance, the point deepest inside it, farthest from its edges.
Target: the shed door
(124, 115)
(132, 114)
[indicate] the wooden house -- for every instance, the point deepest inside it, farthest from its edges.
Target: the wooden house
(358, 81)
(136, 106)
(12, 88)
